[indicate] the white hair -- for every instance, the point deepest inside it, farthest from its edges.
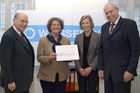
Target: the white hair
(115, 5)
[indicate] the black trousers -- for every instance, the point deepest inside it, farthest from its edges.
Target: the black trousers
(88, 84)
(53, 87)
(113, 87)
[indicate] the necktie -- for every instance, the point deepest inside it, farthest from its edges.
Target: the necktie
(111, 28)
(23, 37)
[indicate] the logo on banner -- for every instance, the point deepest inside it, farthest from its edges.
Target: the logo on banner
(35, 32)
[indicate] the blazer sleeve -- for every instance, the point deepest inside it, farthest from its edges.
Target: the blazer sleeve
(134, 42)
(77, 62)
(41, 57)
(93, 65)
(7, 49)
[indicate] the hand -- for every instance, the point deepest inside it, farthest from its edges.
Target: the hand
(12, 86)
(82, 72)
(101, 74)
(88, 70)
(127, 76)
(52, 56)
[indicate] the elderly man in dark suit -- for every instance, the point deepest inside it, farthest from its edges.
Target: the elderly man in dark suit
(118, 52)
(17, 57)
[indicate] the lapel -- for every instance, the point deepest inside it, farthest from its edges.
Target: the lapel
(118, 26)
(81, 42)
(24, 43)
(106, 30)
(91, 40)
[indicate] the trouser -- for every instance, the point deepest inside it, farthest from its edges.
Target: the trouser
(113, 87)
(53, 87)
(88, 84)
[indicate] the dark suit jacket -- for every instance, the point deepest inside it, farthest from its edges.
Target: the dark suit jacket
(92, 51)
(17, 60)
(0, 69)
(120, 51)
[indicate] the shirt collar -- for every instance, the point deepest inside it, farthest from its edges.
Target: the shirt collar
(16, 30)
(116, 20)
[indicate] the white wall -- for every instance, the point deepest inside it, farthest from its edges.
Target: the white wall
(70, 4)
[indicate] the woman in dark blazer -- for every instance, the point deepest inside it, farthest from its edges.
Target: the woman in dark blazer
(52, 74)
(87, 42)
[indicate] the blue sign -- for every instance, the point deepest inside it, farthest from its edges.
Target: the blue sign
(35, 32)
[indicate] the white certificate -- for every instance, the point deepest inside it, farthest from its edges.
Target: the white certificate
(66, 52)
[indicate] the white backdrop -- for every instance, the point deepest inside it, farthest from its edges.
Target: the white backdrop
(38, 19)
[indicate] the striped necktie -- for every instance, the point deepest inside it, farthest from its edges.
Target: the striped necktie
(111, 28)
(23, 36)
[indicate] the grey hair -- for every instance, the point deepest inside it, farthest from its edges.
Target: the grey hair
(115, 5)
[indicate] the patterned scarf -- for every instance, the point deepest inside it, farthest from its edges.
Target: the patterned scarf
(51, 39)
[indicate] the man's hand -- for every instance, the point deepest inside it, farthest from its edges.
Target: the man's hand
(127, 76)
(12, 86)
(101, 74)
